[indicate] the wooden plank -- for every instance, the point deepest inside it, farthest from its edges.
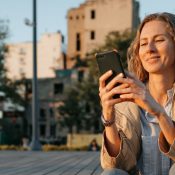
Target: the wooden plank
(91, 167)
(78, 159)
(41, 161)
(61, 164)
(49, 163)
(76, 168)
(98, 170)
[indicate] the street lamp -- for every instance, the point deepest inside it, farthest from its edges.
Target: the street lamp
(35, 144)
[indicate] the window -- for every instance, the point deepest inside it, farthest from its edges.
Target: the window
(92, 35)
(70, 17)
(78, 42)
(42, 114)
(53, 130)
(77, 17)
(51, 112)
(92, 14)
(42, 130)
(58, 88)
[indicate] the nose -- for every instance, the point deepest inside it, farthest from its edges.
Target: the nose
(150, 47)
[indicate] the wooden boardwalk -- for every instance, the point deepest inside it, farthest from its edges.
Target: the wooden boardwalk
(49, 163)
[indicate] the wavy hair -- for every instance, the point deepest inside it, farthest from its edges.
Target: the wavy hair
(134, 63)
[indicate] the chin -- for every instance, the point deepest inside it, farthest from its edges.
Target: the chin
(153, 69)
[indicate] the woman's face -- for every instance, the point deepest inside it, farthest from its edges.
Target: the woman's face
(157, 48)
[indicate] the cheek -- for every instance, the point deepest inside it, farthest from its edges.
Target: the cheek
(170, 52)
(168, 48)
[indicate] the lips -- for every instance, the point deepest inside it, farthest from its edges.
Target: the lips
(152, 58)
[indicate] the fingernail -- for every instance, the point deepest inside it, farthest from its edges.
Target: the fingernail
(121, 75)
(110, 71)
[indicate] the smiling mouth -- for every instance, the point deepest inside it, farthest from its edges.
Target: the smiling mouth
(152, 58)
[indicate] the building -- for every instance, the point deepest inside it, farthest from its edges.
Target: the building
(50, 56)
(89, 24)
(51, 93)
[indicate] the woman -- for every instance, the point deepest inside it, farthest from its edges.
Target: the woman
(139, 130)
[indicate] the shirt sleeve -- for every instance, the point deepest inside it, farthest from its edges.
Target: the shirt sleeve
(129, 129)
(165, 148)
(125, 160)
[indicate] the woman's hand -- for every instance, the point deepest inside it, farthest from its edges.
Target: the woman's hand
(130, 89)
(139, 94)
(106, 93)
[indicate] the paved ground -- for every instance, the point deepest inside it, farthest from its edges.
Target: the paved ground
(49, 163)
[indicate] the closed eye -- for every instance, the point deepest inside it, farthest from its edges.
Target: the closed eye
(143, 44)
(159, 40)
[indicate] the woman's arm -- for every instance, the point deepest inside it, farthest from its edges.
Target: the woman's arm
(121, 143)
(167, 127)
(129, 130)
(106, 93)
(113, 141)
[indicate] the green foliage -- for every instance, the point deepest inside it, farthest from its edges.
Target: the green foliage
(71, 110)
(10, 132)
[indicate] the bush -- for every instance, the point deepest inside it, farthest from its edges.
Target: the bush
(49, 147)
(46, 147)
(9, 147)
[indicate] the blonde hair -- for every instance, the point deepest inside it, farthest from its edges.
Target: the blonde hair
(134, 63)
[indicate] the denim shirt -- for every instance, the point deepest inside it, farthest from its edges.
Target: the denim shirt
(152, 161)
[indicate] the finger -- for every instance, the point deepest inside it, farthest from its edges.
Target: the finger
(114, 81)
(130, 89)
(103, 91)
(106, 95)
(130, 96)
(122, 86)
(103, 78)
(112, 102)
(132, 79)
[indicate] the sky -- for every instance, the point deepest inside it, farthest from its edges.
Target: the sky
(51, 15)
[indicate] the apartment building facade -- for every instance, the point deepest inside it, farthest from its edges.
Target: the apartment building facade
(51, 93)
(50, 56)
(89, 24)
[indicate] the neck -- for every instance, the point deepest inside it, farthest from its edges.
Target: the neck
(158, 86)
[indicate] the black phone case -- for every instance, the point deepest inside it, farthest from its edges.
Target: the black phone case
(110, 61)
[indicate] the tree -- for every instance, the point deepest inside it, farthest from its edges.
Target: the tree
(71, 111)
(88, 92)
(6, 85)
(9, 88)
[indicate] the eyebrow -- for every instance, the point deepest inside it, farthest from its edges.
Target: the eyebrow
(145, 38)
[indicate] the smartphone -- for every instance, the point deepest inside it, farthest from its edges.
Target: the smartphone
(110, 61)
